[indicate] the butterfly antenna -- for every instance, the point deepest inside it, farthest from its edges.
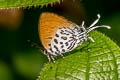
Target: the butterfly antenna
(92, 26)
(96, 21)
(33, 44)
(83, 26)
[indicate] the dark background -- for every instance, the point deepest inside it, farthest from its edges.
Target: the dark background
(20, 61)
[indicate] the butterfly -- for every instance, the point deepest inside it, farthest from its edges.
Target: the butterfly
(58, 35)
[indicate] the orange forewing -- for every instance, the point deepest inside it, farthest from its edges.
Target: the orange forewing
(48, 26)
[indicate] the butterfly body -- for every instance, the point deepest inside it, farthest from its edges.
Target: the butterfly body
(58, 35)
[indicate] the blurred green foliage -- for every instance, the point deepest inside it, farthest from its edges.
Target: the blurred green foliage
(5, 73)
(18, 60)
(29, 63)
(113, 21)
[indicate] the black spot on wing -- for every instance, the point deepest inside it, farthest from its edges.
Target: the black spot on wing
(64, 38)
(63, 50)
(57, 35)
(51, 50)
(56, 48)
(56, 53)
(49, 44)
(61, 42)
(73, 44)
(55, 40)
(62, 32)
(62, 46)
(66, 43)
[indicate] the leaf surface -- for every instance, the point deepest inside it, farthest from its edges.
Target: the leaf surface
(90, 61)
(25, 3)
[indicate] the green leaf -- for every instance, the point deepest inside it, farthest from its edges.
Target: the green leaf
(25, 3)
(90, 61)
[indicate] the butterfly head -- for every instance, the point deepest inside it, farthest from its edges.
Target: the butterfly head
(83, 32)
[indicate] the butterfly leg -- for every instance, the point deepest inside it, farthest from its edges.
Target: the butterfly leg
(51, 58)
(91, 39)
